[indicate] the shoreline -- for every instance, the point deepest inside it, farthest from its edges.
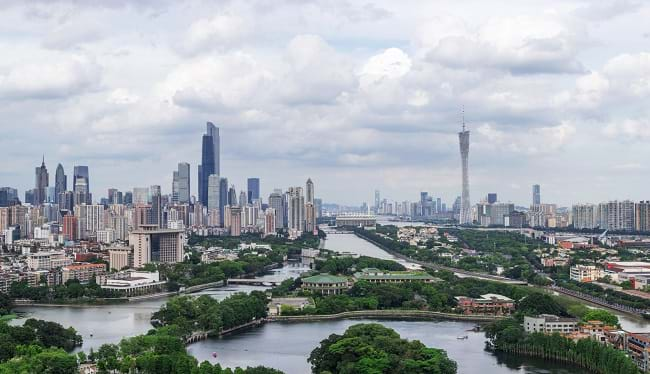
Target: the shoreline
(396, 314)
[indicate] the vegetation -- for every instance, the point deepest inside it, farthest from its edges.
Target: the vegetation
(609, 295)
(187, 315)
(373, 348)
(602, 315)
(279, 242)
(71, 290)
(159, 351)
(508, 336)
(349, 265)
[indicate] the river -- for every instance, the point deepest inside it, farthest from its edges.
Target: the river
(286, 346)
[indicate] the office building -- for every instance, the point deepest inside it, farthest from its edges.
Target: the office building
(156, 206)
(276, 202)
(223, 198)
(253, 189)
(210, 160)
(377, 201)
(465, 206)
(492, 198)
(537, 198)
(140, 196)
(42, 181)
(235, 221)
(181, 184)
(309, 191)
(214, 188)
(60, 182)
(318, 206)
(120, 257)
(152, 244)
(296, 212)
(81, 172)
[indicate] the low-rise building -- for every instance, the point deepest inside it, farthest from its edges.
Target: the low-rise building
(486, 304)
(638, 347)
(549, 324)
(586, 273)
(47, 260)
(134, 283)
(298, 303)
(82, 272)
(325, 284)
(373, 275)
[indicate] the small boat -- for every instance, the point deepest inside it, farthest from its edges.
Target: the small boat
(214, 354)
(462, 337)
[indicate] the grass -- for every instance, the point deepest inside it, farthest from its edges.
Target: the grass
(7, 317)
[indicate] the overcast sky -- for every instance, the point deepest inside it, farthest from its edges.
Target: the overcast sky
(356, 95)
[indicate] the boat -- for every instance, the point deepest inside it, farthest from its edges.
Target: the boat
(214, 354)
(462, 337)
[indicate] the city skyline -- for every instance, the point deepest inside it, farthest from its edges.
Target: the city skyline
(373, 96)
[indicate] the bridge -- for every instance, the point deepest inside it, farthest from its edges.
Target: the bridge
(253, 282)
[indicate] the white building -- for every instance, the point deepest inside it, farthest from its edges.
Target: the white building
(549, 324)
(586, 273)
(47, 260)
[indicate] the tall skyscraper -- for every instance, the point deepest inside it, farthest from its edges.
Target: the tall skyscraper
(253, 189)
(276, 202)
(465, 211)
(81, 172)
(232, 196)
(223, 198)
(181, 184)
(309, 191)
(42, 182)
(537, 198)
(210, 160)
(60, 182)
(492, 198)
(296, 212)
(156, 206)
(377, 201)
(214, 187)
(242, 198)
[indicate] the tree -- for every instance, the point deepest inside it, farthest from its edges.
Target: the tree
(600, 315)
(373, 348)
(539, 303)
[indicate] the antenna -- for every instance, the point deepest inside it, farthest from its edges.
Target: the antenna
(463, 116)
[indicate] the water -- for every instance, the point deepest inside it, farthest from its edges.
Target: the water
(286, 346)
(111, 323)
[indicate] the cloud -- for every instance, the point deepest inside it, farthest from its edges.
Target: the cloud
(628, 130)
(518, 45)
(61, 78)
(217, 33)
(543, 140)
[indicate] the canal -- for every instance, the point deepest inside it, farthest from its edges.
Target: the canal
(286, 346)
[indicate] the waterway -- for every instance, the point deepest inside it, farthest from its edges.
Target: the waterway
(286, 346)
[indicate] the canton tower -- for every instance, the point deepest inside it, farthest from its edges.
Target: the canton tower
(463, 138)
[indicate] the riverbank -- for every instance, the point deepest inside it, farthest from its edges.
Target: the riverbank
(399, 314)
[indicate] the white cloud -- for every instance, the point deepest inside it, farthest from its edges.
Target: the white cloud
(216, 33)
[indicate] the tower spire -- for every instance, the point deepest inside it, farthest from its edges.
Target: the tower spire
(463, 116)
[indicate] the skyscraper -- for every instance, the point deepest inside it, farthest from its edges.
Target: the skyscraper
(492, 198)
(81, 172)
(253, 189)
(156, 206)
(465, 212)
(377, 201)
(60, 182)
(210, 162)
(309, 191)
(276, 202)
(214, 187)
(296, 212)
(42, 182)
(223, 198)
(181, 184)
(242, 198)
(537, 198)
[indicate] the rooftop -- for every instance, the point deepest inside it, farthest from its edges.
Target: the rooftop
(324, 278)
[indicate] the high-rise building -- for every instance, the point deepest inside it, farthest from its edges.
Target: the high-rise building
(140, 196)
(377, 201)
(223, 198)
(42, 182)
(318, 205)
(152, 244)
(253, 189)
(70, 227)
(620, 215)
(309, 191)
(242, 198)
(465, 209)
(642, 216)
(584, 216)
(232, 196)
(181, 184)
(276, 202)
(81, 172)
(60, 182)
(492, 198)
(156, 206)
(210, 160)
(269, 221)
(214, 187)
(235, 221)
(296, 212)
(537, 197)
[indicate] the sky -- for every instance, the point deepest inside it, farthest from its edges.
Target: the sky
(357, 95)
